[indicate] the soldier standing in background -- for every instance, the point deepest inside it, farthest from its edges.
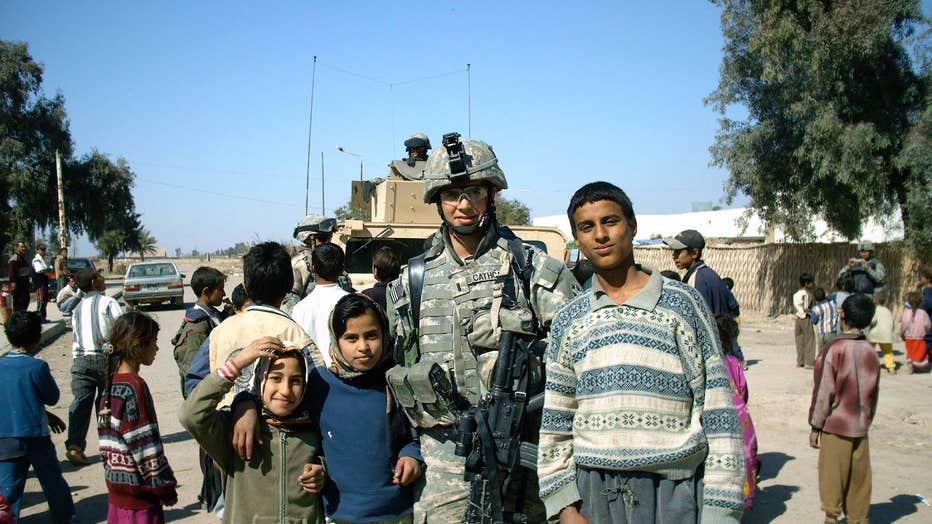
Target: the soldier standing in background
(311, 231)
(412, 167)
(453, 314)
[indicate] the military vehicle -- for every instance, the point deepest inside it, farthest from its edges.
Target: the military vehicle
(400, 219)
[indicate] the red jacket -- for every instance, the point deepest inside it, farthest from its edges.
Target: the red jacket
(847, 379)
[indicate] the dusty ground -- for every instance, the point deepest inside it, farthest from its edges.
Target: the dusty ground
(900, 437)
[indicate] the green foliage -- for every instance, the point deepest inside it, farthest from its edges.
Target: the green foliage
(98, 196)
(353, 212)
(147, 243)
(32, 127)
(838, 116)
(512, 212)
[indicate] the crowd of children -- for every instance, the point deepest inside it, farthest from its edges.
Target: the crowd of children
(295, 379)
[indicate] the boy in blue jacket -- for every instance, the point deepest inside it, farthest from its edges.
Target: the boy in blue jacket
(27, 386)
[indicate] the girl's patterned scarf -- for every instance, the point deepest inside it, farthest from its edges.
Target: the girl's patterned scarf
(253, 378)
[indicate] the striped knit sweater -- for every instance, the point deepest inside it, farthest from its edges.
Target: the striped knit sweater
(640, 387)
(137, 473)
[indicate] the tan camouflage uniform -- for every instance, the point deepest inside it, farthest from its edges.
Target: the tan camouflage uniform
(454, 327)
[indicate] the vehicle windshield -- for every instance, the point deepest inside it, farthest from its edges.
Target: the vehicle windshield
(152, 270)
(77, 264)
(361, 262)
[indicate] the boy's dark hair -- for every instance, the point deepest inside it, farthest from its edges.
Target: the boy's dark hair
(596, 191)
(356, 305)
(672, 275)
(387, 262)
(806, 278)
(859, 310)
(238, 297)
(206, 278)
(85, 279)
(727, 331)
(267, 273)
(327, 261)
(818, 294)
(729, 282)
(880, 298)
(23, 329)
(926, 272)
(847, 284)
(914, 299)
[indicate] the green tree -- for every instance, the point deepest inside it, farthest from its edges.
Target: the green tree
(838, 119)
(147, 243)
(32, 127)
(353, 212)
(512, 212)
(119, 236)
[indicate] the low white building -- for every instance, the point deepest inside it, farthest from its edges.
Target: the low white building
(737, 223)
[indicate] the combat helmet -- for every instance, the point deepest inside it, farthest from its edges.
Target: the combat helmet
(417, 140)
(312, 225)
(461, 161)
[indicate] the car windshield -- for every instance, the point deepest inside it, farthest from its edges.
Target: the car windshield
(152, 270)
(77, 264)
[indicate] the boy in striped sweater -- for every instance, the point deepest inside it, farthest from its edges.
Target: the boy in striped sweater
(638, 423)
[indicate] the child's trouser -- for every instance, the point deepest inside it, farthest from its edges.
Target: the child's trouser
(805, 342)
(632, 497)
(40, 453)
(845, 477)
(886, 352)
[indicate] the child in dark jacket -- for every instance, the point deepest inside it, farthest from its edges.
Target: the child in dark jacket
(139, 479)
(372, 456)
(26, 387)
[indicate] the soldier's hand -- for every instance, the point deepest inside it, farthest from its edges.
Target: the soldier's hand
(570, 515)
(407, 470)
(312, 479)
(245, 429)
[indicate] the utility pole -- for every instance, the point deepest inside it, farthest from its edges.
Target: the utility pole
(62, 242)
(468, 102)
(310, 125)
(323, 203)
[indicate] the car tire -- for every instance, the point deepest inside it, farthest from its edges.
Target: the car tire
(178, 301)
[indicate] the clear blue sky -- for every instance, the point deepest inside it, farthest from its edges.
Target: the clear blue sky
(205, 97)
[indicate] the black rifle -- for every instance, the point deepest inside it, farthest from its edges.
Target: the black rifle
(489, 434)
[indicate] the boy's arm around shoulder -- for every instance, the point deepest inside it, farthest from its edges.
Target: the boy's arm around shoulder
(211, 428)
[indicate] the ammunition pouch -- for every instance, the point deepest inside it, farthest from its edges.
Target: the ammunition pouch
(413, 391)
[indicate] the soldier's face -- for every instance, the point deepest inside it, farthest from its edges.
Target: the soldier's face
(604, 235)
(361, 343)
(464, 205)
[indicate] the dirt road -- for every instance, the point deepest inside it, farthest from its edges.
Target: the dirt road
(900, 437)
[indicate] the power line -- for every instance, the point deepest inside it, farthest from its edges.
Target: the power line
(216, 193)
(215, 171)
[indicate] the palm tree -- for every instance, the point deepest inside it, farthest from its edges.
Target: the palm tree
(145, 243)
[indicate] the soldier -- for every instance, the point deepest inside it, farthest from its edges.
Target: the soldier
(412, 167)
(311, 231)
(417, 146)
(467, 292)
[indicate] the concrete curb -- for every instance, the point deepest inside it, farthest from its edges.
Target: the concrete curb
(52, 331)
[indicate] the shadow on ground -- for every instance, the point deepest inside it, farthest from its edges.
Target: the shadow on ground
(771, 464)
(898, 507)
(769, 504)
(178, 436)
